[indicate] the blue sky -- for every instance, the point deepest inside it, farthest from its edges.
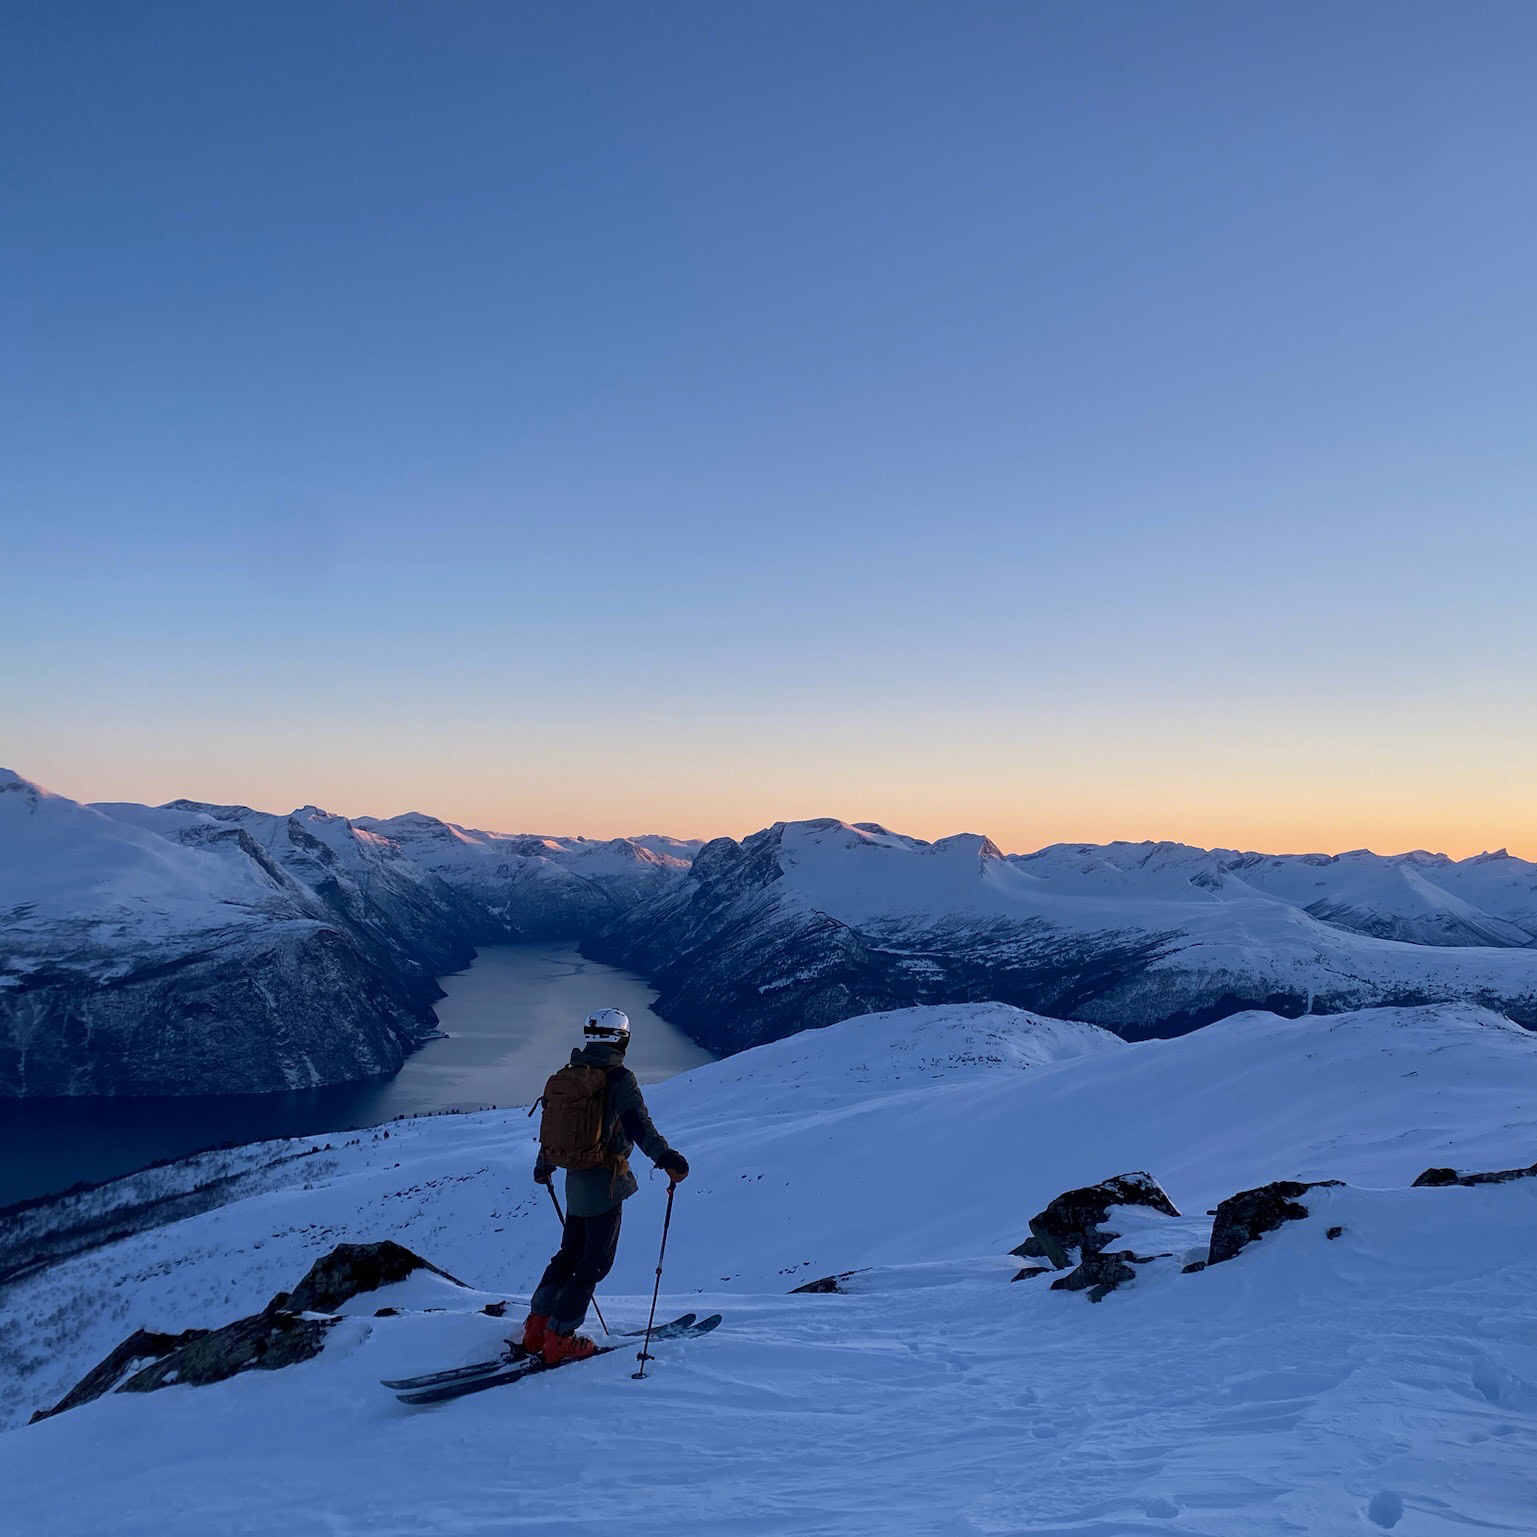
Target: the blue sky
(1062, 421)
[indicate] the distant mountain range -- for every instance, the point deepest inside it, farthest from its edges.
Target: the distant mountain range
(194, 948)
(810, 922)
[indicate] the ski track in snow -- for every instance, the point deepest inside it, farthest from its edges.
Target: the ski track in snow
(1384, 1380)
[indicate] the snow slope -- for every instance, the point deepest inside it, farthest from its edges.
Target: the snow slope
(402, 916)
(132, 961)
(101, 877)
(809, 922)
(1421, 898)
(1386, 1379)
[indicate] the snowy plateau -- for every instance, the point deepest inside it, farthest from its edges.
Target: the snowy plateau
(1369, 1365)
(203, 949)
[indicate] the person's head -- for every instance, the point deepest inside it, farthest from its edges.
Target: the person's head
(610, 1027)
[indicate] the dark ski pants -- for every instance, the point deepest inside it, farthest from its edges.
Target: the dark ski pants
(585, 1256)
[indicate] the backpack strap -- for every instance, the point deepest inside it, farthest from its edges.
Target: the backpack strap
(618, 1165)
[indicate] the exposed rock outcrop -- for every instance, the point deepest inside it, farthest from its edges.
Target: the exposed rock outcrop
(350, 1270)
(136, 1352)
(286, 1331)
(827, 1284)
(1068, 1233)
(264, 1342)
(1070, 1224)
(1098, 1274)
(1250, 1214)
(248, 1009)
(1432, 1177)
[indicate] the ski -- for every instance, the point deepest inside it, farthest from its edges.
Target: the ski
(515, 1355)
(458, 1373)
(533, 1367)
(517, 1373)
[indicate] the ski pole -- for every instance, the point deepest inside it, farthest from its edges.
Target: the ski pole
(559, 1213)
(645, 1350)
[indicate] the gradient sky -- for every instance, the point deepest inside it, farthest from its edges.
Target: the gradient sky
(1064, 421)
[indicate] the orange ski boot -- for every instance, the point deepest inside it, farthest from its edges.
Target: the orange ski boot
(559, 1348)
(534, 1327)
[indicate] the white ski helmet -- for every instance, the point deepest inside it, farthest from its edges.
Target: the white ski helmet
(611, 1025)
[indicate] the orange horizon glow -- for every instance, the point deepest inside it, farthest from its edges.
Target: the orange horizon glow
(1392, 820)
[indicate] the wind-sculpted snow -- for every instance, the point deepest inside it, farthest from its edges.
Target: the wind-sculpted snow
(809, 922)
(1367, 1367)
(201, 949)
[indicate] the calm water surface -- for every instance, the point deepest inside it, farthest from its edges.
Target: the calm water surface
(511, 1019)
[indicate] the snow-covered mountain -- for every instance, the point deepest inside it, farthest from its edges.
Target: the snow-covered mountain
(1423, 899)
(805, 923)
(532, 887)
(180, 960)
(1367, 1367)
(194, 948)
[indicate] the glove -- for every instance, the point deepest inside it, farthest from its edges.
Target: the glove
(676, 1167)
(541, 1176)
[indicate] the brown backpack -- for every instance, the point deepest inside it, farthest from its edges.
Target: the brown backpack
(572, 1127)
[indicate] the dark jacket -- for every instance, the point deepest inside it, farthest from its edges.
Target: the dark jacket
(626, 1125)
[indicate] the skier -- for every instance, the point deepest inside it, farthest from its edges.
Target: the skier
(593, 1117)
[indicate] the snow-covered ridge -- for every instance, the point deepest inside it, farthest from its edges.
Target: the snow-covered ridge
(196, 948)
(809, 922)
(1368, 1366)
(1420, 898)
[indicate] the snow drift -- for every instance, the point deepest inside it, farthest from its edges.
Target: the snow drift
(1381, 1377)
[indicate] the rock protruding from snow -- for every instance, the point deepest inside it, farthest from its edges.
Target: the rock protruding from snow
(1434, 1177)
(139, 1350)
(1097, 1274)
(827, 1285)
(1250, 1214)
(350, 1270)
(286, 1331)
(1070, 1224)
(265, 1342)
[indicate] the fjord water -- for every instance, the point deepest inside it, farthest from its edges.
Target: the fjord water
(511, 1019)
